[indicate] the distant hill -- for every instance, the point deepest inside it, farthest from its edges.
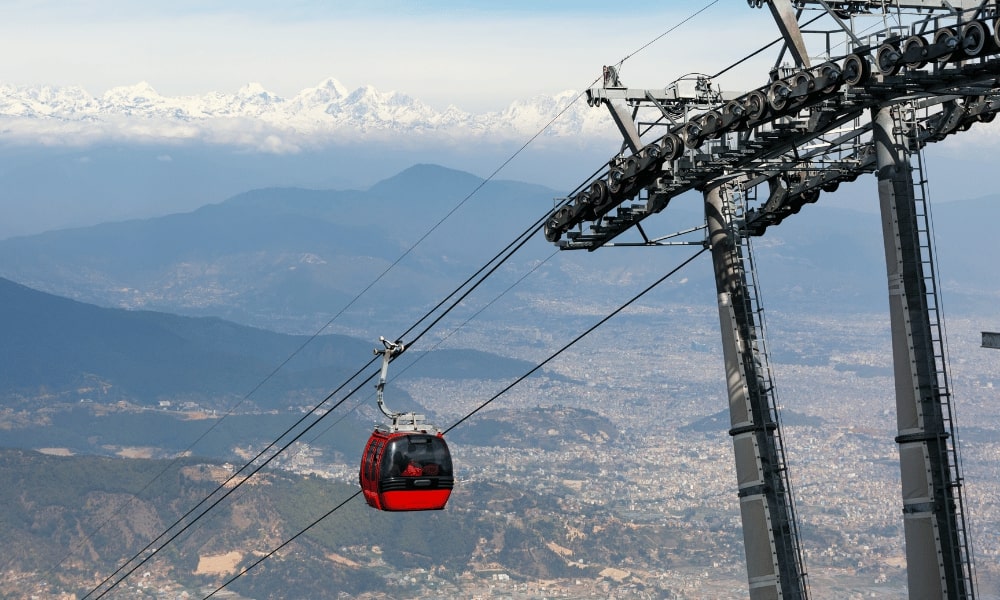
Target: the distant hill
(547, 428)
(57, 347)
(72, 516)
(57, 344)
(289, 258)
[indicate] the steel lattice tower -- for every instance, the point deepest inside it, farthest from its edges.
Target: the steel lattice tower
(926, 70)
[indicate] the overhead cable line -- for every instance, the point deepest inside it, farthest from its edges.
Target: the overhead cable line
(445, 338)
(483, 405)
(761, 49)
(579, 337)
(228, 482)
(483, 273)
(523, 237)
(667, 32)
(499, 259)
(354, 300)
(526, 235)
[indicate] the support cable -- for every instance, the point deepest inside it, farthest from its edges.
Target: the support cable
(499, 259)
(442, 340)
(506, 389)
(354, 300)
(221, 486)
(579, 337)
(526, 235)
(761, 49)
(667, 32)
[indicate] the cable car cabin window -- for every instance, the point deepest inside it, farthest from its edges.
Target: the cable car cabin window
(371, 459)
(417, 456)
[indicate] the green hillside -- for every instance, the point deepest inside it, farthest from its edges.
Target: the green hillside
(71, 520)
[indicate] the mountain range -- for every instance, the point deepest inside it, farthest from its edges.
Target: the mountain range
(256, 118)
(273, 254)
(288, 259)
(103, 321)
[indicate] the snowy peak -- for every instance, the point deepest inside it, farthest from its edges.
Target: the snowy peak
(253, 116)
(255, 94)
(327, 92)
(139, 96)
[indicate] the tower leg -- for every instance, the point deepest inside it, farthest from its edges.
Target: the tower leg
(774, 562)
(934, 550)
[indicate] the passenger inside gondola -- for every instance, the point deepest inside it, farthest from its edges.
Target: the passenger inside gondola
(418, 456)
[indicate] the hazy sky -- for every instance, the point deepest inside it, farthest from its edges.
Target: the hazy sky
(478, 55)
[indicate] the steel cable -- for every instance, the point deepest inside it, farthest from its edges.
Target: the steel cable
(483, 405)
(483, 273)
(524, 237)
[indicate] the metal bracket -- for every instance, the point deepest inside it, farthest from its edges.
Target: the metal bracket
(788, 24)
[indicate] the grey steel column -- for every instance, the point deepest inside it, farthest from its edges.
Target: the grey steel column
(933, 549)
(774, 566)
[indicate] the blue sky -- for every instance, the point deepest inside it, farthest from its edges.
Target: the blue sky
(478, 56)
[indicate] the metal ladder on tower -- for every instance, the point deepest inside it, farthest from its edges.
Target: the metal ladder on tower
(786, 535)
(950, 469)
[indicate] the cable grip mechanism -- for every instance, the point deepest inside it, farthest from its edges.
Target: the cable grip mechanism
(410, 421)
(389, 351)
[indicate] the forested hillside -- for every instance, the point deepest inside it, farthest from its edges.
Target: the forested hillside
(73, 520)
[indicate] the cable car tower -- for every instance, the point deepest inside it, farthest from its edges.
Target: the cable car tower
(907, 73)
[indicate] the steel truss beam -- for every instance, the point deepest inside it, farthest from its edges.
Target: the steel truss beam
(700, 134)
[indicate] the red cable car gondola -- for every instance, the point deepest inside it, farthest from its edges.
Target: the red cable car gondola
(405, 466)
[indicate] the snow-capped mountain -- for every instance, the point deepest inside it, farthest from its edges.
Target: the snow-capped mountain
(255, 117)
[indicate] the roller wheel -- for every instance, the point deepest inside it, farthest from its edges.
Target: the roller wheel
(692, 134)
(777, 95)
(755, 105)
(948, 36)
(832, 76)
(803, 81)
(556, 224)
(973, 38)
(600, 198)
(616, 181)
(915, 45)
(857, 70)
(582, 207)
(733, 113)
(711, 124)
(671, 146)
(888, 59)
